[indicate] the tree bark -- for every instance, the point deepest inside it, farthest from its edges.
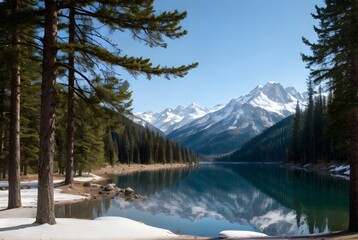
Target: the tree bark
(45, 198)
(6, 146)
(2, 132)
(2, 145)
(353, 192)
(70, 102)
(14, 199)
(353, 183)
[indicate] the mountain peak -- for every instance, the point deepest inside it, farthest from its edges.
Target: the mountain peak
(239, 120)
(179, 108)
(193, 105)
(270, 102)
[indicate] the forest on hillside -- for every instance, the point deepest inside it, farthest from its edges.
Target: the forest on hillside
(269, 146)
(311, 135)
(99, 138)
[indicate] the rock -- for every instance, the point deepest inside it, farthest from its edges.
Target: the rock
(128, 191)
(109, 187)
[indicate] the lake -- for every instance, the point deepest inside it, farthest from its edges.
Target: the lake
(209, 198)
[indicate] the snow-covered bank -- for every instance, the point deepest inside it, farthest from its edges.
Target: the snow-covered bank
(72, 229)
(18, 223)
(29, 193)
(230, 234)
(15, 225)
(29, 197)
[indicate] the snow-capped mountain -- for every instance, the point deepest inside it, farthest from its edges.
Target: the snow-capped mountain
(145, 124)
(228, 128)
(171, 119)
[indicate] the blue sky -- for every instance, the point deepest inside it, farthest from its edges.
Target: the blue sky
(239, 44)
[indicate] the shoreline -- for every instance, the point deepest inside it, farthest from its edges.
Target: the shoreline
(331, 169)
(123, 169)
(14, 219)
(77, 189)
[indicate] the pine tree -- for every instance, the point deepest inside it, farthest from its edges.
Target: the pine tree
(318, 126)
(89, 145)
(14, 141)
(17, 25)
(308, 132)
(4, 108)
(141, 20)
(45, 200)
(110, 145)
(169, 151)
(30, 120)
(137, 17)
(296, 127)
(335, 60)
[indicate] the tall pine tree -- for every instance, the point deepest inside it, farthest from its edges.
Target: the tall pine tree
(140, 18)
(334, 60)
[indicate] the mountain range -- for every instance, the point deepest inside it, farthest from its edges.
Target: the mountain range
(226, 127)
(170, 119)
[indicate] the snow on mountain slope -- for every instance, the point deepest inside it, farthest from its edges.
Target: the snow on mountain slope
(226, 129)
(171, 119)
(145, 124)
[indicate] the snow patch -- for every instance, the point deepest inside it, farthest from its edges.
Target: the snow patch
(240, 234)
(73, 229)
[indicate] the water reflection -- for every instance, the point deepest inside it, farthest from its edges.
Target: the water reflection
(208, 199)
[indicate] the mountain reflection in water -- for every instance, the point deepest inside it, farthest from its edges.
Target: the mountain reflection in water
(209, 198)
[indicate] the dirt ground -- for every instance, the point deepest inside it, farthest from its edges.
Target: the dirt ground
(120, 169)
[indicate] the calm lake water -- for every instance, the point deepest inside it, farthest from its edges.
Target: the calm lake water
(208, 198)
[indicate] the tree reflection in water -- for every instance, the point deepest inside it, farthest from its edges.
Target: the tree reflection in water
(259, 197)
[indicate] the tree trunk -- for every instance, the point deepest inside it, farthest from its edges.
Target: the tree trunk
(2, 131)
(353, 192)
(353, 183)
(45, 198)
(70, 102)
(2, 140)
(5, 145)
(14, 200)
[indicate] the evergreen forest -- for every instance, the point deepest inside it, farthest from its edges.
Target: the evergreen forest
(62, 96)
(310, 135)
(98, 138)
(269, 146)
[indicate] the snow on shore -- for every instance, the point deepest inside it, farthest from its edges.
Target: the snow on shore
(29, 196)
(240, 234)
(72, 229)
(18, 223)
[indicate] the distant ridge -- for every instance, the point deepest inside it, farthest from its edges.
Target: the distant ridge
(225, 128)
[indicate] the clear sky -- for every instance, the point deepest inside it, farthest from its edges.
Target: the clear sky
(239, 44)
